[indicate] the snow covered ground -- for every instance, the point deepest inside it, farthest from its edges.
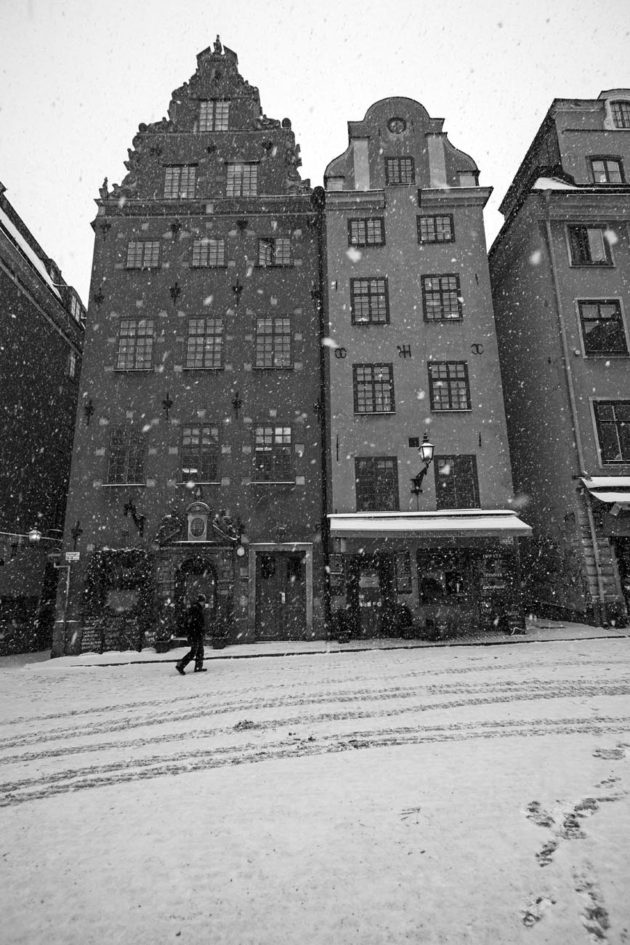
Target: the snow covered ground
(426, 795)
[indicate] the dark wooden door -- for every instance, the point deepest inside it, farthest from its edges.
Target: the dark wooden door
(280, 595)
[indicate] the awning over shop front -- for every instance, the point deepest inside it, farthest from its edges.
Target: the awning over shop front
(472, 523)
(614, 490)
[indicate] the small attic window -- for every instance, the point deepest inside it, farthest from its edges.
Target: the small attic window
(335, 183)
(396, 125)
(620, 114)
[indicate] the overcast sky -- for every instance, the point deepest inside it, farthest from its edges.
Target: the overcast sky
(78, 77)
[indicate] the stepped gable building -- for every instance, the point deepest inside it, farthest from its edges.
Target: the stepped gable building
(41, 331)
(560, 270)
(198, 462)
(412, 352)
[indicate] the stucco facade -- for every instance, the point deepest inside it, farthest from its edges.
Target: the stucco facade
(560, 268)
(412, 350)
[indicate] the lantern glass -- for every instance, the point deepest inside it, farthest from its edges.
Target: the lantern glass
(426, 450)
(34, 536)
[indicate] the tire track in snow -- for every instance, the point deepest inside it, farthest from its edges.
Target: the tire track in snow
(123, 771)
(532, 690)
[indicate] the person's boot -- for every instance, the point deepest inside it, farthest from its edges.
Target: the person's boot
(180, 669)
(200, 669)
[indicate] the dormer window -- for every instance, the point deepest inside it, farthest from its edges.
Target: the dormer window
(606, 170)
(620, 114)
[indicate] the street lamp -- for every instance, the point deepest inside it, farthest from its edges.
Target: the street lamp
(34, 536)
(426, 450)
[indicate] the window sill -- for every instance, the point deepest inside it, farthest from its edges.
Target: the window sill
(365, 323)
(451, 409)
(440, 321)
(375, 413)
(365, 245)
(276, 266)
(222, 368)
(141, 268)
(606, 355)
(199, 482)
(591, 265)
(138, 370)
(210, 266)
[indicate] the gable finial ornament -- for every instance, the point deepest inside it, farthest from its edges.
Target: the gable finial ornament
(217, 46)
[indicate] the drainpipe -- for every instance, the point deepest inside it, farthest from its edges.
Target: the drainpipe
(568, 374)
(318, 202)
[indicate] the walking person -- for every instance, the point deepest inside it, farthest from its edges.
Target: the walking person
(195, 630)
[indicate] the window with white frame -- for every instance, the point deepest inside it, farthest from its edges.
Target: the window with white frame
(200, 453)
(143, 254)
(274, 251)
(214, 115)
(180, 181)
(208, 252)
(135, 344)
(273, 342)
(273, 456)
(204, 344)
(242, 179)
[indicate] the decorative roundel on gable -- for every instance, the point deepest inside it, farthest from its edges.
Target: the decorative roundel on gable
(198, 526)
(396, 125)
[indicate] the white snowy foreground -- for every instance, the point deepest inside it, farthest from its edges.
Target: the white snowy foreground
(455, 795)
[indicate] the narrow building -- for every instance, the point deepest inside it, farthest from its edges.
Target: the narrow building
(418, 545)
(41, 339)
(560, 270)
(198, 461)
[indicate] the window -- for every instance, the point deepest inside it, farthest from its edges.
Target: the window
(448, 385)
(204, 345)
(143, 254)
(135, 344)
(272, 454)
(376, 479)
(274, 252)
(369, 300)
(72, 365)
(613, 430)
(589, 246)
(456, 483)
(436, 229)
(368, 231)
(242, 180)
(399, 170)
(607, 170)
(621, 114)
(200, 453)
(373, 386)
(273, 343)
(441, 298)
(602, 326)
(76, 309)
(208, 252)
(126, 456)
(179, 181)
(214, 115)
